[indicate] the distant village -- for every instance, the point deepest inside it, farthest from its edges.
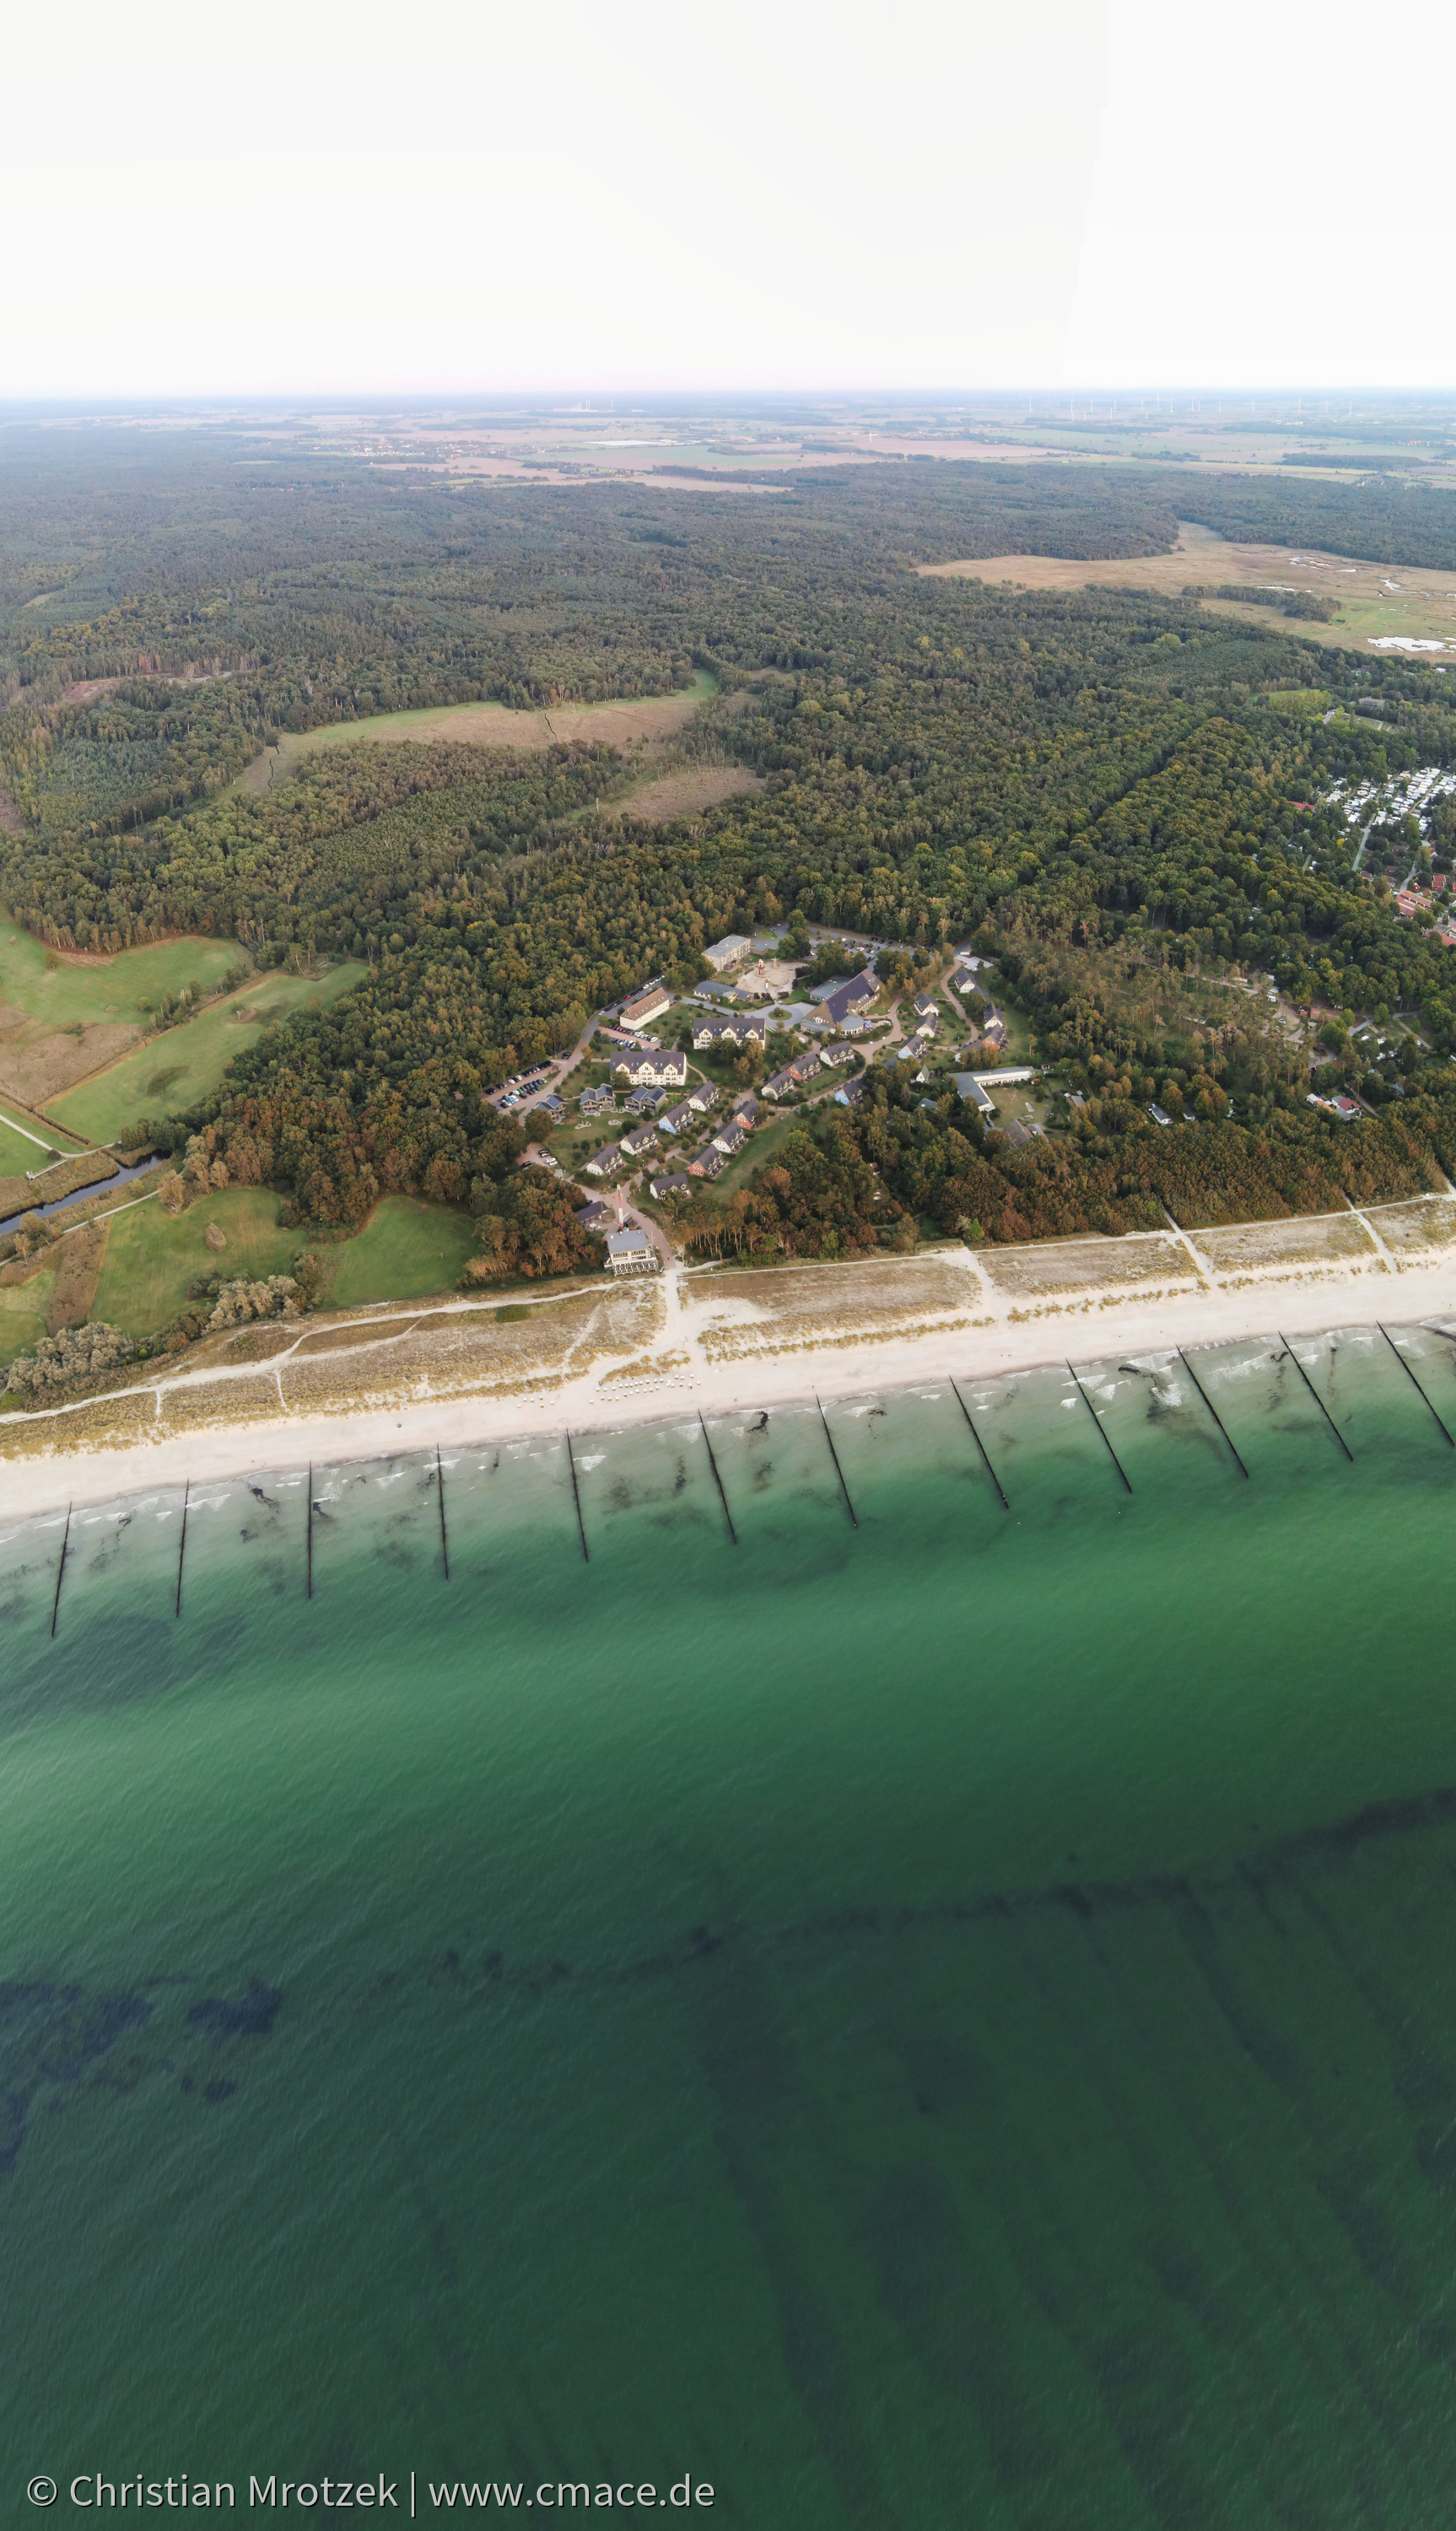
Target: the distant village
(648, 1072)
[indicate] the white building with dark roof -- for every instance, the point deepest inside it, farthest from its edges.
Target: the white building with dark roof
(644, 1006)
(645, 1069)
(631, 1251)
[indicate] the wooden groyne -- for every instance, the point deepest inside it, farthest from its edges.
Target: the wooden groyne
(187, 1496)
(1213, 1409)
(1318, 1400)
(1416, 1385)
(834, 1455)
(310, 1532)
(576, 1495)
(981, 1445)
(440, 1487)
(1102, 1428)
(717, 1479)
(55, 1606)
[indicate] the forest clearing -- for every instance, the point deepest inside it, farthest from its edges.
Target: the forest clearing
(1377, 602)
(623, 723)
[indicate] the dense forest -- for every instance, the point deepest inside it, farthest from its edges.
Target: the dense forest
(1094, 783)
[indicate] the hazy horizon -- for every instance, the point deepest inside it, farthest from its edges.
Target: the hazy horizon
(1095, 198)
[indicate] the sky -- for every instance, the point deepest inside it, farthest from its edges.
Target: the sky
(310, 196)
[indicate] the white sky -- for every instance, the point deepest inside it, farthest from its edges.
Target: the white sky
(332, 197)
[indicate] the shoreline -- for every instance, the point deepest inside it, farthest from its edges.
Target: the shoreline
(777, 1362)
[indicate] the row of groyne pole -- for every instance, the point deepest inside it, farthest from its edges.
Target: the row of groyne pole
(1286, 1353)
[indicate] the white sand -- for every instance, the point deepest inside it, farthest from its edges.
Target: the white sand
(998, 1331)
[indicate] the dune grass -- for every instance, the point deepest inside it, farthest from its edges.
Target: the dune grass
(406, 1250)
(172, 1071)
(150, 1258)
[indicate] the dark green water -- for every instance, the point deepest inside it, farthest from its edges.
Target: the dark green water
(952, 2021)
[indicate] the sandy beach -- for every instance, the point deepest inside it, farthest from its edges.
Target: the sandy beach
(352, 1385)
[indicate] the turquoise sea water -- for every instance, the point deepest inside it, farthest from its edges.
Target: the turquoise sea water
(948, 2020)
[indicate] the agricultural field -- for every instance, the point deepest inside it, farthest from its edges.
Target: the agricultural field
(1377, 602)
(62, 1013)
(612, 724)
(406, 1250)
(152, 1258)
(172, 1071)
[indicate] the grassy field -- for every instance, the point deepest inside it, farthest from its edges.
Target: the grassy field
(405, 1251)
(758, 1149)
(150, 1258)
(62, 993)
(23, 1308)
(1376, 600)
(171, 1071)
(616, 724)
(17, 1154)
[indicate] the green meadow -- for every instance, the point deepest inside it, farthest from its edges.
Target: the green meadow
(18, 1155)
(172, 1071)
(406, 1250)
(152, 1258)
(121, 992)
(23, 1308)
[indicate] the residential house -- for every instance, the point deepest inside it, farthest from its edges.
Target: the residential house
(832, 1057)
(704, 1096)
(554, 1107)
(794, 1075)
(631, 1251)
(605, 1162)
(709, 1162)
(730, 1138)
(744, 1110)
(925, 1008)
(850, 1001)
(727, 951)
(598, 1102)
(596, 1217)
(851, 1093)
(645, 1102)
(645, 1006)
(659, 1070)
(640, 1141)
(729, 1034)
(676, 1120)
(676, 1184)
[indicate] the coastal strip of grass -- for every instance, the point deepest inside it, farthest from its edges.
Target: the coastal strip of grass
(172, 1071)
